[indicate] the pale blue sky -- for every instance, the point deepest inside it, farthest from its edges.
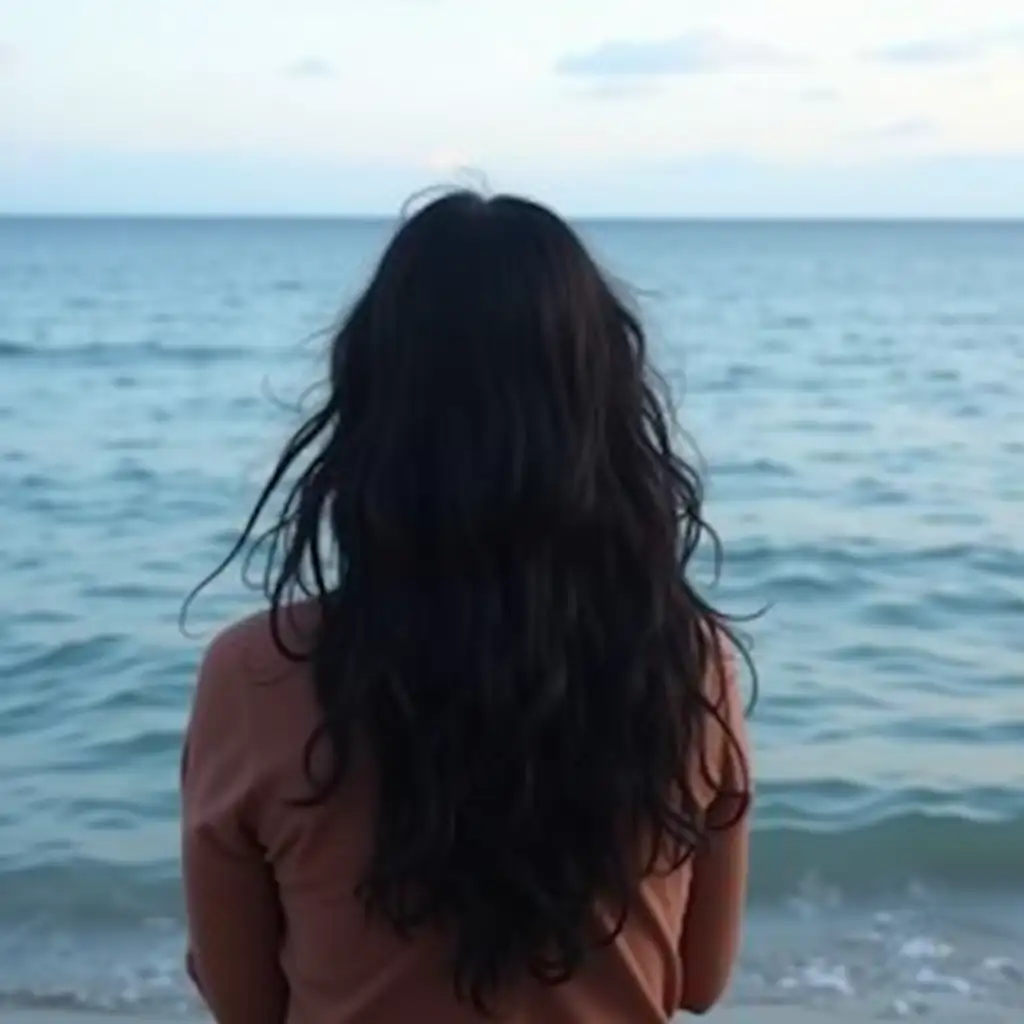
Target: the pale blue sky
(708, 107)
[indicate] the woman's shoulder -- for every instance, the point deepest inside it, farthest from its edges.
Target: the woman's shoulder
(263, 645)
(253, 672)
(251, 694)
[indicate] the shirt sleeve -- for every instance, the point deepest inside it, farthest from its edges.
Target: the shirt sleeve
(733, 794)
(234, 916)
(713, 919)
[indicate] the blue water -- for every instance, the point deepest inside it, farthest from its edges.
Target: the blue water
(858, 394)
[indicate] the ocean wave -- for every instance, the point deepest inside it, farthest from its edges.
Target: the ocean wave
(912, 953)
(15, 349)
(69, 654)
(885, 857)
(889, 855)
(104, 354)
(75, 892)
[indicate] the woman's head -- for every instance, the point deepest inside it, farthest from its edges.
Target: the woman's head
(489, 395)
(488, 508)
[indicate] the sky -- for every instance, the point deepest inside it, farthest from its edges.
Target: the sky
(601, 107)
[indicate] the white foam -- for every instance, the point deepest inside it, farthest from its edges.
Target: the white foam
(822, 976)
(924, 948)
(948, 982)
(1003, 966)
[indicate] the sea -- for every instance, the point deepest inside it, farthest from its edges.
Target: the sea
(856, 391)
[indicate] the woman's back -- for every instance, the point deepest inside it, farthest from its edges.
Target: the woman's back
(488, 764)
(254, 713)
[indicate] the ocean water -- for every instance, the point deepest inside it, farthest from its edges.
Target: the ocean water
(858, 394)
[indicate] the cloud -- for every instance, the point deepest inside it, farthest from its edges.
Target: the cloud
(310, 67)
(903, 130)
(66, 180)
(688, 54)
(930, 51)
(948, 50)
(936, 185)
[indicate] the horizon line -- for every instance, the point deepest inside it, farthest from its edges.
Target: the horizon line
(591, 218)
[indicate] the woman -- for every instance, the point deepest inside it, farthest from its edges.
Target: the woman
(483, 755)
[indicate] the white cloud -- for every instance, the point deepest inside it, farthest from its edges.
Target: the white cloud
(904, 129)
(949, 49)
(692, 53)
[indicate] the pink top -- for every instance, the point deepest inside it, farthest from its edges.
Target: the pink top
(276, 935)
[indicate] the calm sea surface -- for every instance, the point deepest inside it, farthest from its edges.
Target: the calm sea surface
(858, 394)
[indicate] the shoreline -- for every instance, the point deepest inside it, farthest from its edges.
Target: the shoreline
(727, 1015)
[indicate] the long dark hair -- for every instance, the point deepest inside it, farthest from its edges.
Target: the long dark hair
(488, 508)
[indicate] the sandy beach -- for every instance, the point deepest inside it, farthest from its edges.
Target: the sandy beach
(733, 1015)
